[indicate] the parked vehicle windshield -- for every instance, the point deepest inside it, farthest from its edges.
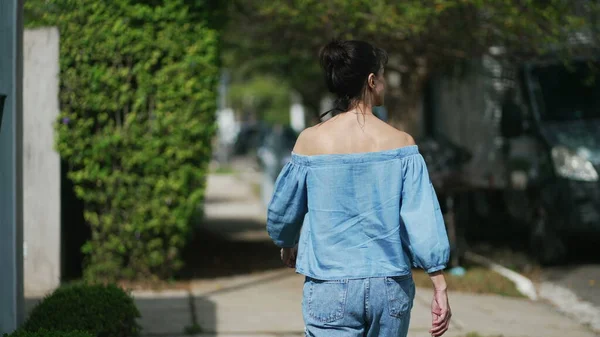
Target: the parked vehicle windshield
(567, 93)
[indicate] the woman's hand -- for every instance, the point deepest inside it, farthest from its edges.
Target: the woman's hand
(288, 256)
(440, 313)
(440, 307)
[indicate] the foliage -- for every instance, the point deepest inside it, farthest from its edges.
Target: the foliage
(419, 35)
(49, 333)
(138, 100)
(477, 280)
(104, 311)
(193, 329)
(266, 97)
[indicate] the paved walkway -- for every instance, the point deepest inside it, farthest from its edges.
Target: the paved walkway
(267, 303)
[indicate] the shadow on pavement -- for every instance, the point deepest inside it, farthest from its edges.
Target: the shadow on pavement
(177, 315)
(212, 200)
(241, 247)
(168, 314)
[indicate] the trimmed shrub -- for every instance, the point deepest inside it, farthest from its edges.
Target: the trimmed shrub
(138, 100)
(103, 311)
(49, 333)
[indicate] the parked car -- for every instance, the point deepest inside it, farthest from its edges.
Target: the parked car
(533, 129)
(249, 138)
(273, 154)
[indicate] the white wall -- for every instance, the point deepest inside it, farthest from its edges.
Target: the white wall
(41, 164)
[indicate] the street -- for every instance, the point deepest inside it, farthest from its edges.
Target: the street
(583, 280)
(572, 288)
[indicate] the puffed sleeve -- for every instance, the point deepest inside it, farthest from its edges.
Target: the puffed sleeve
(422, 218)
(288, 206)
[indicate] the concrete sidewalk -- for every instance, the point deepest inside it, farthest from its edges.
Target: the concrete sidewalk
(268, 303)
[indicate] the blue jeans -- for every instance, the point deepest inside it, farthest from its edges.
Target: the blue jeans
(367, 307)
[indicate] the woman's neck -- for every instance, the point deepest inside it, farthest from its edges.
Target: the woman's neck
(362, 108)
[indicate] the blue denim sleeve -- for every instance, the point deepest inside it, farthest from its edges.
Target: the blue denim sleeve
(422, 218)
(288, 206)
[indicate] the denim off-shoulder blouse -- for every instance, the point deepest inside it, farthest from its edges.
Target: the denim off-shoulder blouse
(359, 215)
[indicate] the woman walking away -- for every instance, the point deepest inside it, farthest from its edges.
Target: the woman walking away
(357, 200)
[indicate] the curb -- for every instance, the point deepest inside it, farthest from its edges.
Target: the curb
(166, 293)
(523, 284)
(567, 302)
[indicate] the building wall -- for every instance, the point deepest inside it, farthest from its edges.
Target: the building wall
(41, 163)
(11, 275)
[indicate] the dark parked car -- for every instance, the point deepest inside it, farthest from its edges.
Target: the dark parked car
(273, 154)
(250, 137)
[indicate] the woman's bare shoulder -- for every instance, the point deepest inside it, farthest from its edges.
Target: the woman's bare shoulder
(306, 144)
(311, 140)
(397, 138)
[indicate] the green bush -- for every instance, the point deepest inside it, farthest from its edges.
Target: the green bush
(103, 311)
(138, 100)
(49, 333)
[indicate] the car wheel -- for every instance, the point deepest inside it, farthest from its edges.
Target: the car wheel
(546, 245)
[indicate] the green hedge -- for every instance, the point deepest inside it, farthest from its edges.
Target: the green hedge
(138, 100)
(103, 311)
(49, 333)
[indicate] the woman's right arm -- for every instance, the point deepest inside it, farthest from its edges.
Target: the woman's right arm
(440, 306)
(426, 235)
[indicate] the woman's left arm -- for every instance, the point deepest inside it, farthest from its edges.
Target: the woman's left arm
(288, 206)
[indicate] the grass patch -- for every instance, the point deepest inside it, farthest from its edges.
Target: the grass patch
(477, 280)
(256, 190)
(225, 169)
(512, 259)
(193, 329)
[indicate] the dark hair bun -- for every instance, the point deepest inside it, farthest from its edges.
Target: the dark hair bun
(346, 67)
(334, 54)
